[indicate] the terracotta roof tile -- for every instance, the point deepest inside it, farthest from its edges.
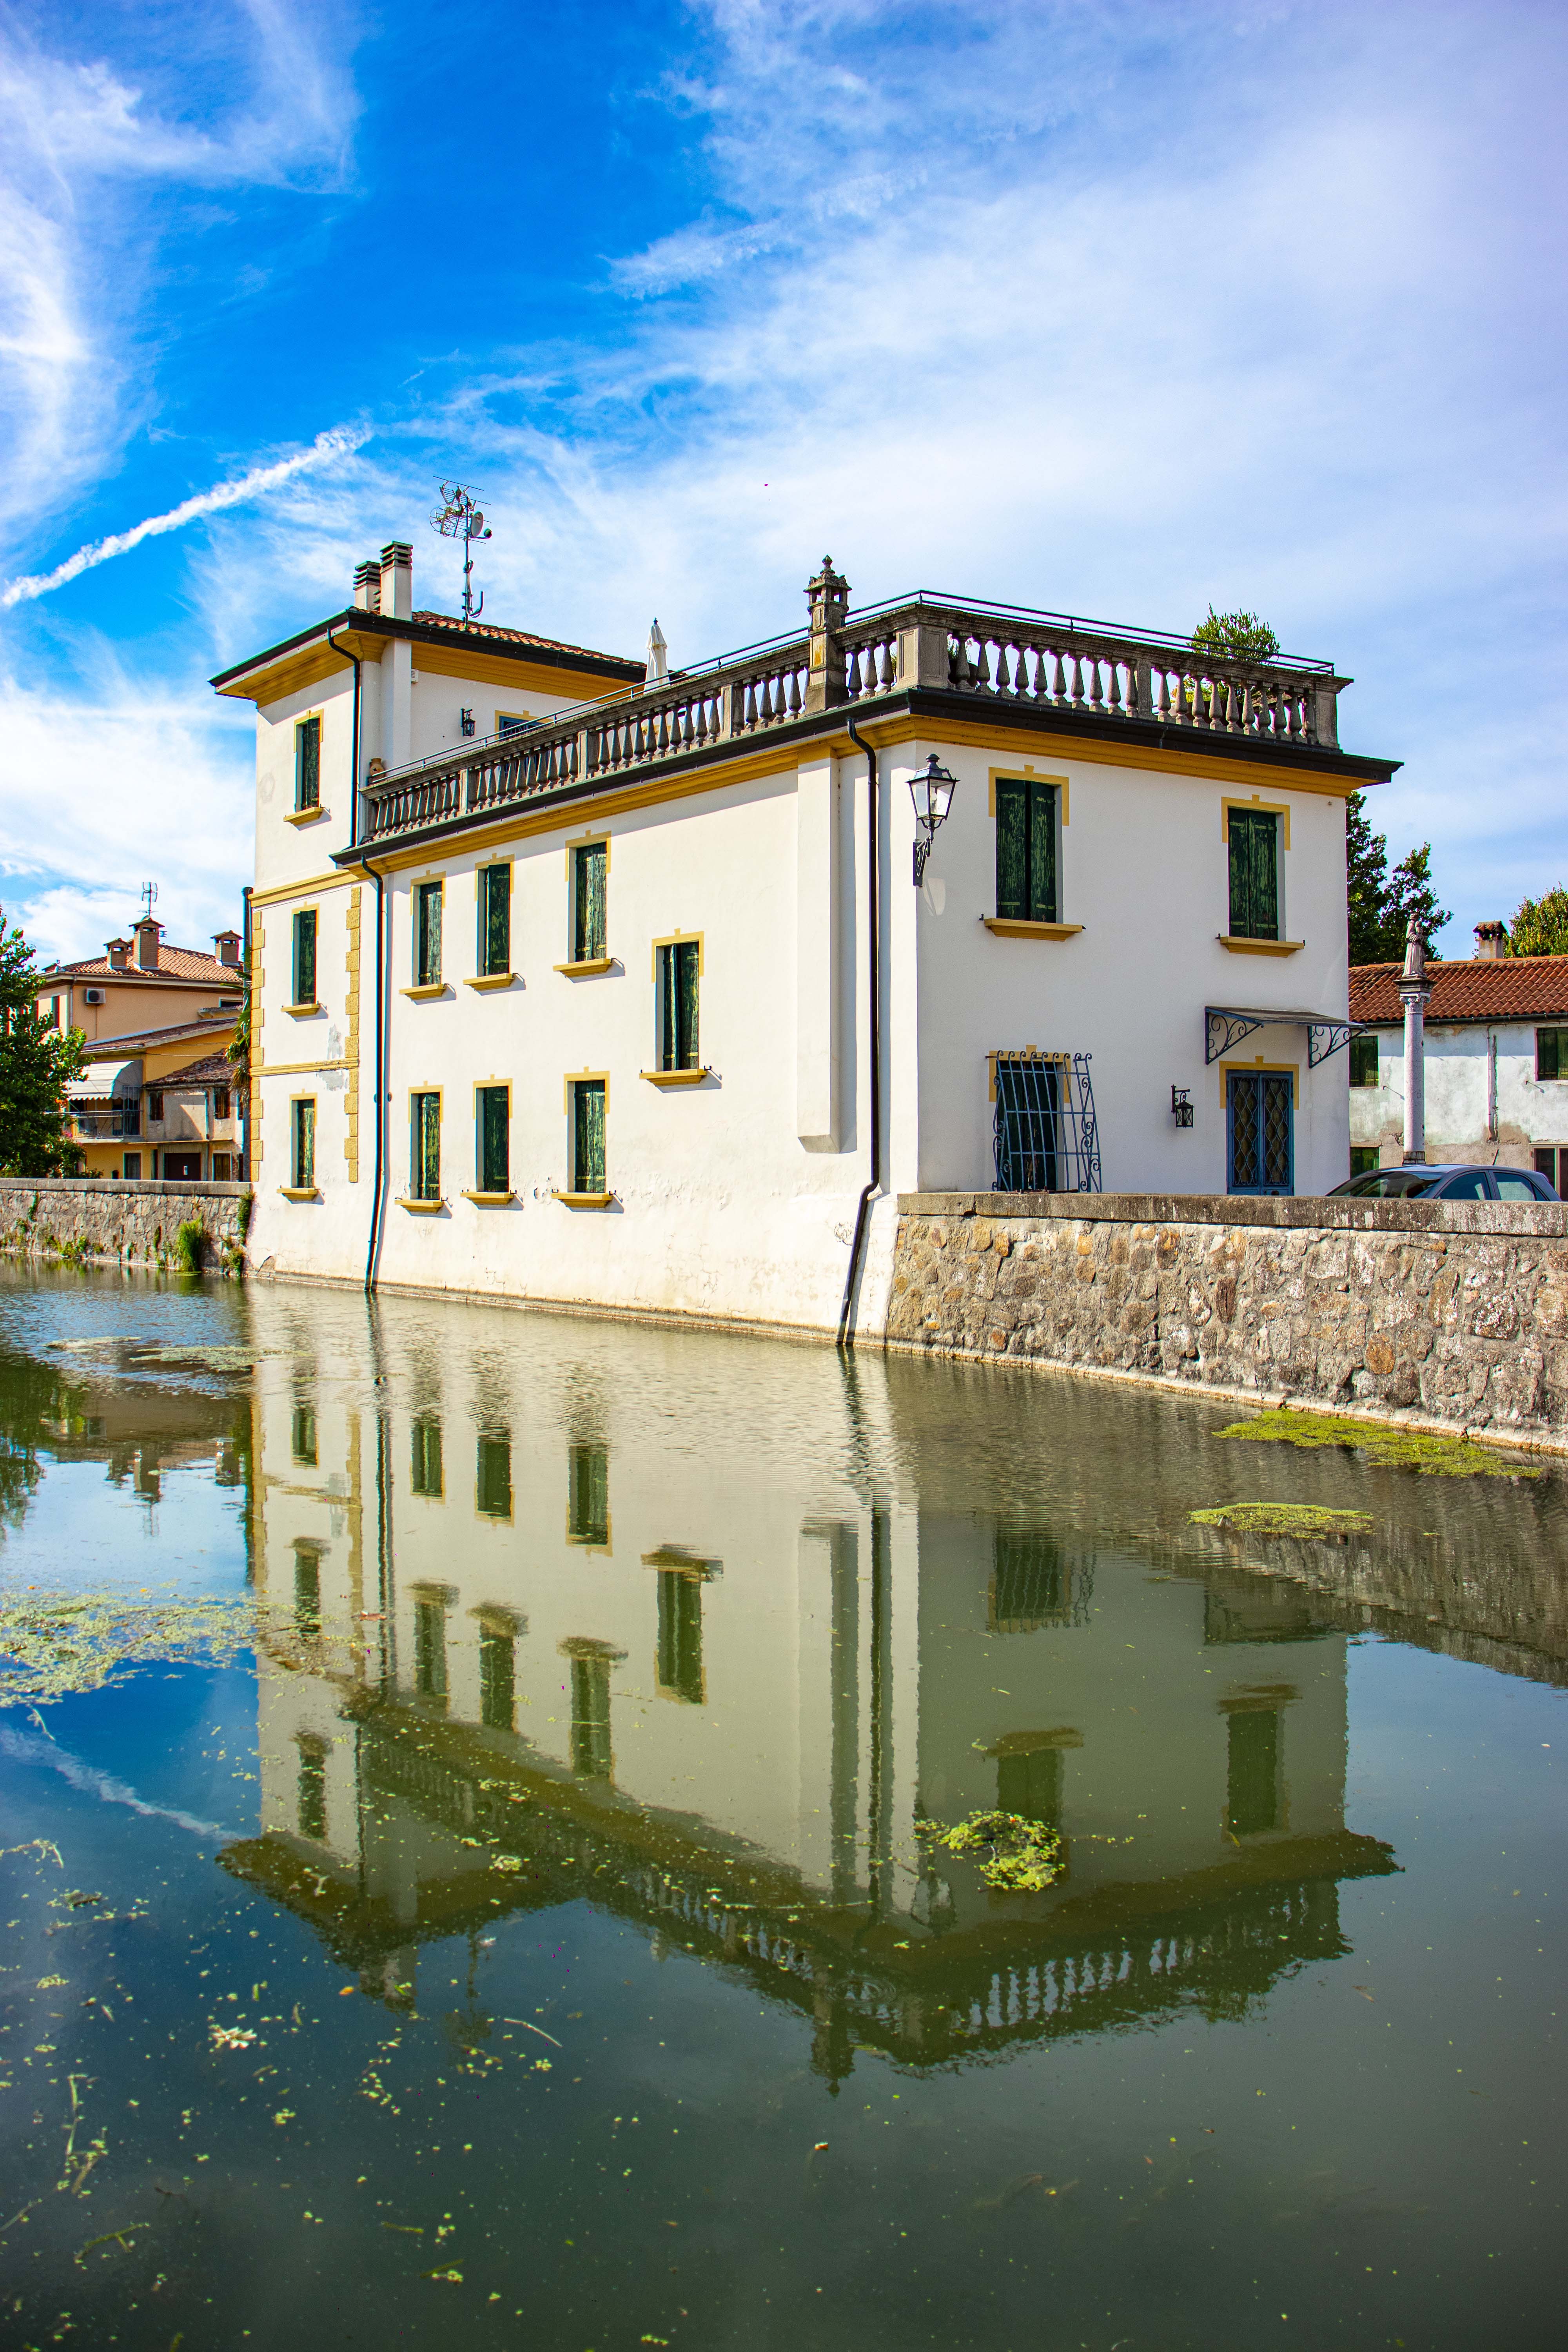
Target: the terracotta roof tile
(213, 1070)
(1481, 988)
(514, 637)
(173, 963)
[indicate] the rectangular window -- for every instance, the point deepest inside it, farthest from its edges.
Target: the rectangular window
(1551, 1053)
(133, 1167)
(1030, 1153)
(590, 866)
(1254, 873)
(312, 1807)
(492, 1116)
(1363, 1060)
(679, 1665)
(492, 1477)
(513, 722)
(588, 1506)
(1252, 1785)
(223, 1167)
(304, 1144)
(308, 1591)
(1027, 850)
(1363, 1158)
(588, 1135)
(498, 1678)
(302, 1433)
(1260, 1121)
(220, 1103)
(677, 973)
(305, 956)
(155, 1105)
(424, 1474)
(430, 1649)
(130, 1116)
(592, 1756)
(495, 920)
(425, 1147)
(426, 934)
(1545, 1164)
(308, 763)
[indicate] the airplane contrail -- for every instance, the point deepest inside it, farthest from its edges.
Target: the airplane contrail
(324, 450)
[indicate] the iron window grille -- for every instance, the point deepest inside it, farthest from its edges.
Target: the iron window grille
(1045, 1134)
(678, 976)
(1254, 873)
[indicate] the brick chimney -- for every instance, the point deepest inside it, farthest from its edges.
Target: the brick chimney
(148, 934)
(1492, 942)
(367, 587)
(397, 579)
(118, 954)
(227, 946)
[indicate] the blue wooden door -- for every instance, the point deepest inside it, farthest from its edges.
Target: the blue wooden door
(1260, 1132)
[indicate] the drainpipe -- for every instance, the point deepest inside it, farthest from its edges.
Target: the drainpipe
(246, 1121)
(380, 1058)
(353, 805)
(1415, 988)
(873, 944)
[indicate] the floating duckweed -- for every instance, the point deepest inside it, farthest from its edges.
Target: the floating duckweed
(53, 1645)
(1284, 1520)
(1382, 1442)
(1020, 1855)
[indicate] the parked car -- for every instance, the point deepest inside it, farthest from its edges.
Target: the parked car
(1456, 1181)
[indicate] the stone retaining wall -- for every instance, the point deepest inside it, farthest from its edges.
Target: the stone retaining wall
(1455, 1310)
(127, 1223)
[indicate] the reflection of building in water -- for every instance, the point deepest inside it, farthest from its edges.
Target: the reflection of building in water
(512, 1664)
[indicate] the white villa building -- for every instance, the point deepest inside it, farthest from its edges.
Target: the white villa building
(578, 983)
(1495, 1060)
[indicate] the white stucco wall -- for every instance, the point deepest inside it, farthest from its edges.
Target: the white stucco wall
(1460, 1060)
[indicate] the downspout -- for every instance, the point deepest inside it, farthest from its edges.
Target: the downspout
(873, 945)
(353, 804)
(380, 1057)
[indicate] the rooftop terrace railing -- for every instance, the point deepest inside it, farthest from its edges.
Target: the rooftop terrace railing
(988, 654)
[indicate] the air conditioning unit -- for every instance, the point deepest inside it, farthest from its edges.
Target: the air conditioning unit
(94, 995)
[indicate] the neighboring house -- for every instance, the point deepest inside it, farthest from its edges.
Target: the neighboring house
(161, 1105)
(623, 1051)
(139, 983)
(1496, 1061)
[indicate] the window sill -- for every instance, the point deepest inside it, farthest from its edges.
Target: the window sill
(585, 970)
(489, 1199)
(299, 1192)
(427, 988)
(584, 1200)
(676, 1077)
(491, 980)
(1234, 946)
(1013, 927)
(420, 1207)
(305, 816)
(300, 1012)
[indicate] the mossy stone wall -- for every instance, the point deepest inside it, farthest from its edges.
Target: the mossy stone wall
(95, 1220)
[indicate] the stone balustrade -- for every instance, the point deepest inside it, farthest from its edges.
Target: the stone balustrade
(1080, 672)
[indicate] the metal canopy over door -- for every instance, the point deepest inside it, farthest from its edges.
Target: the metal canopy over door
(1260, 1144)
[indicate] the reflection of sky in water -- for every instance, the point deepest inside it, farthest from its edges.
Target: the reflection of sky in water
(1281, 2041)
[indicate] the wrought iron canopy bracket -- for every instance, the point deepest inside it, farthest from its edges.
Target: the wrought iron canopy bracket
(1326, 1037)
(1226, 1030)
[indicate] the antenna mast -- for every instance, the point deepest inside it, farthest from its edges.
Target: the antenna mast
(457, 516)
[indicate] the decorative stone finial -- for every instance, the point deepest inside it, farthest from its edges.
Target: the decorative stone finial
(828, 596)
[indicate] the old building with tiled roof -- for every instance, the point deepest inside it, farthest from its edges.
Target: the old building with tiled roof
(1495, 1061)
(142, 982)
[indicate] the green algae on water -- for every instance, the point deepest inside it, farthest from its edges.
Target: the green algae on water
(1384, 1442)
(1285, 1520)
(55, 1644)
(1020, 1855)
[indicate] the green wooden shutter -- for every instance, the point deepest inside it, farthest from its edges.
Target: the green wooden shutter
(1549, 1056)
(495, 946)
(498, 1685)
(304, 1145)
(1012, 850)
(1042, 853)
(1254, 873)
(667, 1014)
(305, 957)
(494, 1156)
(686, 958)
(427, 941)
(589, 943)
(426, 1154)
(588, 1103)
(492, 1482)
(308, 763)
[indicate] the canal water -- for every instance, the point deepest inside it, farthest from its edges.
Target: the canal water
(484, 1800)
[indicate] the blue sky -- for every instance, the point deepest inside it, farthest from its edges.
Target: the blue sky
(1106, 309)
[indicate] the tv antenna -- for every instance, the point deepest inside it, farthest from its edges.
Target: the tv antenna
(149, 899)
(458, 518)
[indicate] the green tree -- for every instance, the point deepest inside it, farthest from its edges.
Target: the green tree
(1235, 636)
(1410, 892)
(37, 1061)
(1541, 926)
(1379, 904)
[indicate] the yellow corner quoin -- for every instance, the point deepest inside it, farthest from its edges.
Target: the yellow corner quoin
(489, 1199)
(1236, 946)
(676, 1077)
(299, 1192)
(585, 970)
(1009, 926)
(1245, 1069)
(420, 1207)
(427, 989)
(584, 1200)
(305, 816)
(488, 979)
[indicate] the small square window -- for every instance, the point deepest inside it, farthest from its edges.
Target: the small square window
(1363, 1158)
(1551, 1053)
(1363, 1059)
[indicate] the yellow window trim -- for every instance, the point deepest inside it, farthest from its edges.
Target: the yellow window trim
(1009, 927)
(585, 970)
(584, 1200)
(488, 979)
(1256, 805)
(525, 717)
(575, 1079)
(676, 939)
(299, 1192)
(306, 815)
(419, 1208)
(1027, 774)
(302, 1011)
(587, 841)
(427, 989)
(677, 1077)
(1236, 946)
(1247, 1069)
(489, 1199)
(1020, 1054)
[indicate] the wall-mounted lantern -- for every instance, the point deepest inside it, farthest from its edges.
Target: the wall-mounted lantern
(1181, 1105)
(465, 722)
(932, 791)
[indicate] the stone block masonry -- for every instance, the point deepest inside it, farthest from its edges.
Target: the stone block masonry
(1453, 1311)
(132, 1224)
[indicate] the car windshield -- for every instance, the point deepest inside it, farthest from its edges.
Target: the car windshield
(1388, 1185)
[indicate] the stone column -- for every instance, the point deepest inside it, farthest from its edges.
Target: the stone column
(1415, 988)
(828, 597)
